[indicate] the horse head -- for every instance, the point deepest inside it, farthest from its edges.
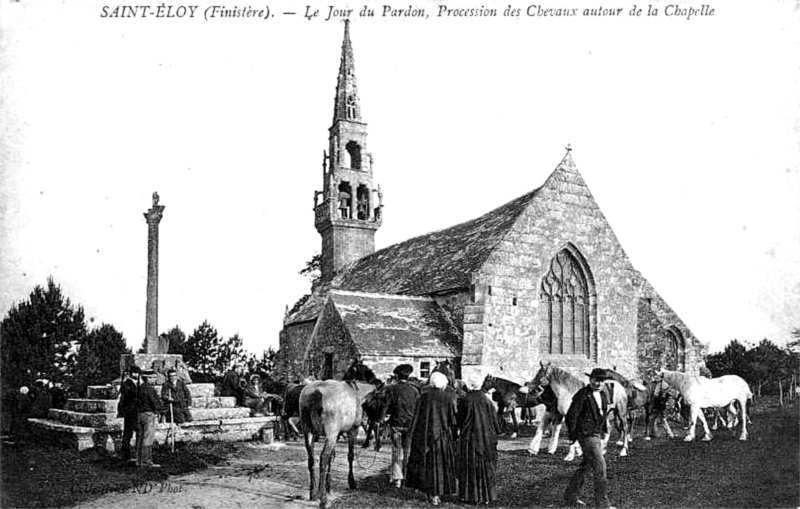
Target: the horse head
(488, 383)
(543, 376)
(360, 372)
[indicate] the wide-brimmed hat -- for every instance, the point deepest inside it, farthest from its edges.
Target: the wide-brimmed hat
(598, 374)
(135, 369)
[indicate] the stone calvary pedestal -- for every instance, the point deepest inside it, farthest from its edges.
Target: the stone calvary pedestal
(92, 421)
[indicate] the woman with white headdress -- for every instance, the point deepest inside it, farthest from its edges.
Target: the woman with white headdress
(477, 444)
(432, 462)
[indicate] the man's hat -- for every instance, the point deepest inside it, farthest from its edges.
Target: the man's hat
(598, 374)
(403, 370)
(135, 369)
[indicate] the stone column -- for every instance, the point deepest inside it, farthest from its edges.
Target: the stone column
(153, 217)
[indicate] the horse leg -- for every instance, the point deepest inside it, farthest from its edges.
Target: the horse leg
(309, 441)
(536, 441)
(708, 436)
(325, 458)
(625, 433)
(574, 450)
(743, 404)
(378, 437)
(693, 415)
(555, 432)
(515, 424)
(351, 454)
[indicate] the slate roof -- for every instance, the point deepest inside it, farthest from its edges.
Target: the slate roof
(382, 324)
(438, 261)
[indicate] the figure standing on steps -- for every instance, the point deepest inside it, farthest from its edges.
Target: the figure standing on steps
(149, 406)
(128, 409)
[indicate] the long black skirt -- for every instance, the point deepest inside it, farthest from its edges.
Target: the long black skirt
(475, 476)
(433, 473)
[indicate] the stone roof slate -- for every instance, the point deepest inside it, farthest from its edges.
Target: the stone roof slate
(397, 325)
(438, 261)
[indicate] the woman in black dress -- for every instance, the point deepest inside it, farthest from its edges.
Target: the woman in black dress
(477, 445)
(432, 462)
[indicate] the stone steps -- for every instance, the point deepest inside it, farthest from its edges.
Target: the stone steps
(112, 392)
(111, 421)
(82, 437)
(107, 406)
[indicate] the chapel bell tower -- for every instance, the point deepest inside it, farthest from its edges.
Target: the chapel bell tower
(351, 208)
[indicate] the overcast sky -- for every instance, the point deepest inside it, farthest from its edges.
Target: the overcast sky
(685, 130)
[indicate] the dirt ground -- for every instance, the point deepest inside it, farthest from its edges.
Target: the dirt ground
(761, 472)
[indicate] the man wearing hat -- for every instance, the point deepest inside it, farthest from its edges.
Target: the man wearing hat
(586, 422)
(401, 399)
(149, 407)
(127, 409)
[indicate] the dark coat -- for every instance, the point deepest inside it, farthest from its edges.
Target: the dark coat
(147, 399)
(584, 418)
(432, 460)
(128, 405)
(401, 401)
(478, 424)
(181, 400)
(231, 387)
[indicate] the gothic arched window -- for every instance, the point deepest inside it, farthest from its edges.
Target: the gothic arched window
(675, 350)
(565, 304)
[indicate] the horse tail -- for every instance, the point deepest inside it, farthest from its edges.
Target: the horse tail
(311, 412)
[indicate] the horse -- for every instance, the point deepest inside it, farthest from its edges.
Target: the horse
(290, 411)
(374, 406)
(509, 396)
(640, 400)
(564, 386)
(455, 387)
(700, 392)
(329, 408)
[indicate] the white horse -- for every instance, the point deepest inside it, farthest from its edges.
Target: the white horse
(699, 392)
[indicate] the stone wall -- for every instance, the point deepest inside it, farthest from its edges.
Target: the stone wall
(293, 341)
(330, 338)
(563, 215)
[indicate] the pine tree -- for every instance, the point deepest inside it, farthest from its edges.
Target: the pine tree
(229, 352)
(97, 360)
(201, 349)
(39, 336)
(177, 340)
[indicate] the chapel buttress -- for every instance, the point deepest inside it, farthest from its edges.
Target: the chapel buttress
(350, 209)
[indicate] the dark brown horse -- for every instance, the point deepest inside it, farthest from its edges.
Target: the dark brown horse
(509, 396)
(331, 408)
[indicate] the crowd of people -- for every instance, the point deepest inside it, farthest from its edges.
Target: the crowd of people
(18, 405)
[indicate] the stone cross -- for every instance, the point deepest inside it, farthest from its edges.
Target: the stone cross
(153, 342)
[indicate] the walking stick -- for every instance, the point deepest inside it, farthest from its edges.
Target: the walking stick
(172, 426)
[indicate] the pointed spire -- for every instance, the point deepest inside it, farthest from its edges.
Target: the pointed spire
(346, 106)
(567, 160)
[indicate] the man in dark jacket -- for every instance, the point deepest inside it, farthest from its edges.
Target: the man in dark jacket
(232, 385)
(177, 399)
(127, 409)
(586, 422)
(149, 406)
(401, 401)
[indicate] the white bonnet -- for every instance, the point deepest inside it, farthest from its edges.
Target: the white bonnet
(438, 380)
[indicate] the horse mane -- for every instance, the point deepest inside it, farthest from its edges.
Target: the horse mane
(358, 371)
(567, 379)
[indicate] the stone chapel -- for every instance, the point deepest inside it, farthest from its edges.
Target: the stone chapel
(541, 278)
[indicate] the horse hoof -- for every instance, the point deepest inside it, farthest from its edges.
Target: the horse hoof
(647, 438)
(706, 439)
(623, 452)
(688, 438)
(513, 436)
(743, 438)
(620, 443)
(533, 453)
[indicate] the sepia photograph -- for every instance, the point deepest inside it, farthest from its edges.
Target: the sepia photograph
(361, 254)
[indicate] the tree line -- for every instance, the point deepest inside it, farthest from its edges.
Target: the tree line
(47, 337)
(768, 368)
